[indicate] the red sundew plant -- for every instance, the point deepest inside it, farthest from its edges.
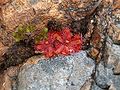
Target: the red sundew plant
(60, 42)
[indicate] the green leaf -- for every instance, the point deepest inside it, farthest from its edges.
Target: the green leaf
(45, 30)
(28, 29)
(20, 29)
(32, 28)
(17, 39)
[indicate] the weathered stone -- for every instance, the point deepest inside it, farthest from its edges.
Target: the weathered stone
(1, 45)
(94, 53)
(69, 72)
(11, 21)
(21, 11)
(59, 73)
(118, 25)
(117, 68)
(2, 2)
(2, 49)
(116, 82)
(15, 6)
(115, 49)
(95, 87)
(0, 14)
(112, 61)
(117, 40)
(116, 4)
(116, 35)
(115, 58)
(105, 78)
(6, 37)
(96, 38)
(102, 76)
(7, 79)
(87, 85)
(16, 12)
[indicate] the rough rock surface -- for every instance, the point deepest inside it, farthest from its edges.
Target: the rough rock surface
(114, 58)
(103, 76)
(106, 79)
(72, 72)
(59, 73)
(107, 74)
(21, 11)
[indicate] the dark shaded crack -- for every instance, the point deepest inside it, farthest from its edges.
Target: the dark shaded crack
(68, 79)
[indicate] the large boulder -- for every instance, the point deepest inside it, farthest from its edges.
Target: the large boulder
(59, 73)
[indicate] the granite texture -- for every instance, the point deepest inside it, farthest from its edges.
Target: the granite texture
(59, 73)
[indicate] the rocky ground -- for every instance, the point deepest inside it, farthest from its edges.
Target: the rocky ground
(72, 72)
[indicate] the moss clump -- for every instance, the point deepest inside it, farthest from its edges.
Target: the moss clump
(22, 31)
(42, 35)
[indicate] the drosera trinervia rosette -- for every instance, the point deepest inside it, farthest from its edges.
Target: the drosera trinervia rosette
(60, 42)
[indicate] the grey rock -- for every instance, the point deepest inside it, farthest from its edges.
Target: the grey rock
(95, 87)
(116, 82)
(118, 25)
(117, 69)
(116, 49)
(114, 58)
(105, 72)
(87, 85)
(33, 1)
(105, 78)
(59, 73)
